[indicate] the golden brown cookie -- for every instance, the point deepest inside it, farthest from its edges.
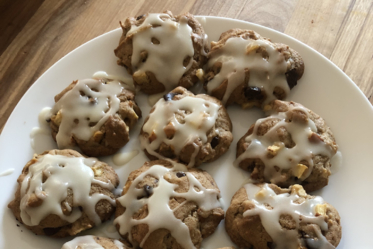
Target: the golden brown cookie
(265, 216)
(162, 51)
(165, 205)
(61, 193)
(248, 69)
(188, 128)
(292, 145)
(95, 115)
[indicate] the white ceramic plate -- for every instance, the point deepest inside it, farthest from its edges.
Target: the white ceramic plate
(324, 89)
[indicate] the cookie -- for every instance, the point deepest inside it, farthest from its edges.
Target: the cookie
(189, 128)
(292, 145)
(93, 242)
(162, 51)
(165, 205)
(250, 70)
(61, 193)
(265, 216)
(94, 114)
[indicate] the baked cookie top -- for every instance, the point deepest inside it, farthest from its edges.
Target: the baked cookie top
(186, 127)
(265, 216)
(62, 193)
(94, 114)
(163, 204)
(250, 70)
(162, 51)
(94, 242)
(291, 145)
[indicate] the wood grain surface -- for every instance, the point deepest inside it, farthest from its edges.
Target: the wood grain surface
(34, 34)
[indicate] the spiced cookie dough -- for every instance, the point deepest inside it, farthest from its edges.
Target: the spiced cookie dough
(61, 193)
(248, 69)
(94, 242)
(265, 216)
(165, 205)
(189, 128)
(292, 145)
(162, 51)
(94, 114)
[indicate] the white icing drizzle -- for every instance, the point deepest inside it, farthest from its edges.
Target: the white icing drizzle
(285, 204)
(320, 242)
(237, 55)
(165, 59)
(43, 128)
(205, 43)
(119, 244)
(124, 157)
(7, 172)
(88, 242)
(75, 107)
(127, 81)
(159, 213)
(286, 158)
(62, 173)
(200, 117)
(336, 162)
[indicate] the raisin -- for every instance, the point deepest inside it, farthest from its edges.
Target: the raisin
(214, 142)
(170, 96)
(253, 93)
(180, 174)
(148, 190)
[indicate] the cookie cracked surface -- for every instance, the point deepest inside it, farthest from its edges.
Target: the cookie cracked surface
(96, 115)
(162, 51)
(165, 205)
(250, 70)
(189, 128)
(292, 145)
(61, 193)
(265, 216)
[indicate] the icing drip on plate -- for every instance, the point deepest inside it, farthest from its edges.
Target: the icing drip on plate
(283, 158)
(299, 208)
(167, 44)
(88, 242)
(160, 214)
(238, 55)
(123, 158)
(7, 172)
(85, 108)
(49, 180)
(164, 126)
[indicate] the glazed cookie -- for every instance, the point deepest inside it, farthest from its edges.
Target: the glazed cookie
(186, 127)
(165, 205)
(248, 69)
(61, 193)
(94, 114)
(162, 51)
(265, 216)
(292, 145)
(94, 242)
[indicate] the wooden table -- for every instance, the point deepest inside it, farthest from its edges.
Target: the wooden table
(34, 34)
